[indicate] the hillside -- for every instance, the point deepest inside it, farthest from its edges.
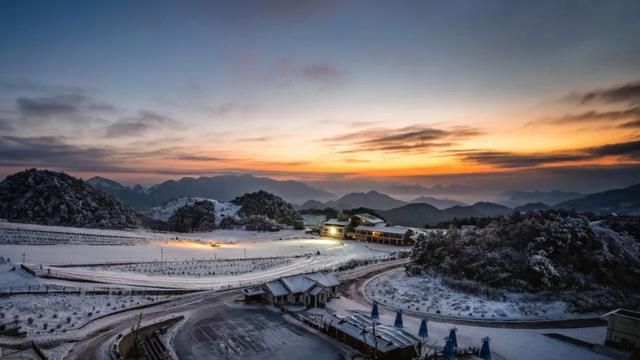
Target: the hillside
(419, 215)
(519, 198)
(371, 199)
(551, 252)
(134, 196)
(221, 210)
(623, 201)
(54, 198)
(531, 207)
(437, 202)
(262, 209)
(193, 217)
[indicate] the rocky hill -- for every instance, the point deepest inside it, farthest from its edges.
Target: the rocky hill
(193, 217)
(263, 205)
(557, 253)
(55, 198)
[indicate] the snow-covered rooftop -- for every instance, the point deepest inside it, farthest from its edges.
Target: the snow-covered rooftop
(387, 338)
(276, 288)
(298, 283)
(370, 218)
(253, 291)
(324, 279)
(336, 222)
(316, 290)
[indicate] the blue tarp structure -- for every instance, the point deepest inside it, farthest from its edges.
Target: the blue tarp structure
(448, 349)
(485, 350)
(374, 312)
(398, 322)
(453, 337)
(423, 332)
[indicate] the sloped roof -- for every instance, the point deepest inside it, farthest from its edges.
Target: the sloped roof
(336, 222)
(324, 279)
(276, 288)
(253, 291)
(370, 218)
(316, 290)
(297, 284)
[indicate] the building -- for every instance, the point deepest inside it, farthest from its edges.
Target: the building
(623, 329)
(368, 336)
(366, 219)
(380, 234)
(334, 228)
(310, 290)
(313, 222)
(368, 228)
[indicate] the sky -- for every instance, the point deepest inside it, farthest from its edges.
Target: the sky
(495, 94)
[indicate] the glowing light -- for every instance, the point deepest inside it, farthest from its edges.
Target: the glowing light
(333, 231)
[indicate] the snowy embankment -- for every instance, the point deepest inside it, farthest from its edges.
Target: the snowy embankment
(55, 314)
(427, 294)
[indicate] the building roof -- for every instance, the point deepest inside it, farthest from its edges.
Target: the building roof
(370, 218)
(387, 338)
(316, 290)
(297, 284)
(384, 229)
(336, 222)
(624, 312)
(324, 279)
(253, 291)
(276, 288)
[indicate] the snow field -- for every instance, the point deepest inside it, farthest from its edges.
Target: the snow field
(426, 294)
(200, 268)
(59, 313)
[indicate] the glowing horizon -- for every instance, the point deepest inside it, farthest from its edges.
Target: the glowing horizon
(147, 92)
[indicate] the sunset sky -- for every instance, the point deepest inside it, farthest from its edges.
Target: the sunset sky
(533, 94)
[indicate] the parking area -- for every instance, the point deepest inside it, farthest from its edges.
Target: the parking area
(249, 334)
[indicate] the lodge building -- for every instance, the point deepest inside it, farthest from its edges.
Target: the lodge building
(368, 228)
(309, 290)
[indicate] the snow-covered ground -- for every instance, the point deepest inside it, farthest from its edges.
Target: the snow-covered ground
(59, 313)
(319, 255)
(521, 344)
(200, 268)
(428, 295)
(222, 209)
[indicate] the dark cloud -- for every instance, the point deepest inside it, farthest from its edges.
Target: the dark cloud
(628, 93)
(65, 106)
(187, 157)
(517, 160)
(410, 139)
(47, 151)
(591, 116)
(628, 150)
(49, 105)
(634, 124)
(140, 124)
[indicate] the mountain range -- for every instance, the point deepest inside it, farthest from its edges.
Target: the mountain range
(223, 188)
(551, 198)
(376, 200)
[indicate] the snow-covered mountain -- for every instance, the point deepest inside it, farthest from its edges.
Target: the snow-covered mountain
(222, 209)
